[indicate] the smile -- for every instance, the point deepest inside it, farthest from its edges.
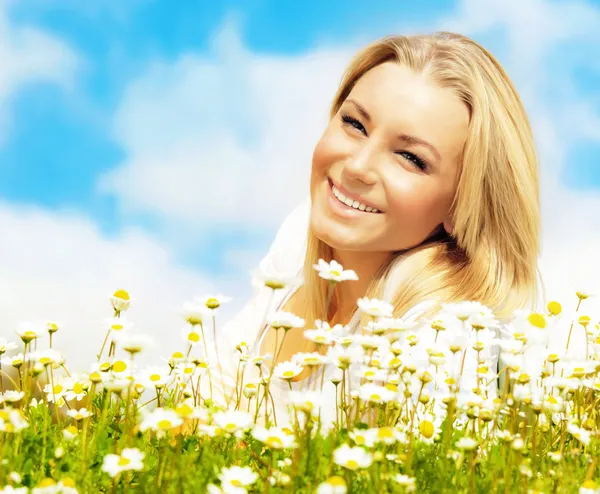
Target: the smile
(350, 203)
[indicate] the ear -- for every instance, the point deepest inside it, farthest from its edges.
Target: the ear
(448, 226)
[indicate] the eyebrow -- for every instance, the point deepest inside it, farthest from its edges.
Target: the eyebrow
(404, 137)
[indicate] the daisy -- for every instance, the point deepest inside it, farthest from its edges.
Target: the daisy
(320, 336)
(305, 401)
(6, 346)
(11, 396)
(160, 420)
(274, 437)
(334, 271)
(55, 393)
(129, 459)
(467, 443)
(133, 342)
(287, 370)
(232, 421)
(76, 387)
(375, 393)
(285, 320)
(12, 420)
(273, 281)
(48, 356)
(364, 437)
(82, 413)
(192, 334)
(309, 359)
(237, 477)
(333, 485)
(375, 307)
(194, 312)
(213, 302)
(118, 324)
(408, 482)
(120, 301)
(352, 458)
(154, 377)
(28, 332)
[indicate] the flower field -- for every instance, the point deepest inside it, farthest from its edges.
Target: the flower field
(418, 407)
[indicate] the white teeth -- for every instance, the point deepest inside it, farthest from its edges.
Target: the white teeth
(353, 204)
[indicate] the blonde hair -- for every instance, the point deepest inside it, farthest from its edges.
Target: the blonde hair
(491, 256)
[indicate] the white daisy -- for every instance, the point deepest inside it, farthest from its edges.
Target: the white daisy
(352, 458)
(129, 459)
(334, 271)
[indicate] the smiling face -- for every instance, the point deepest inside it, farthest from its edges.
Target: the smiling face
(403, 160)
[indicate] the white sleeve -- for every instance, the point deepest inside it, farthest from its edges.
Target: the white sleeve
(284, 257)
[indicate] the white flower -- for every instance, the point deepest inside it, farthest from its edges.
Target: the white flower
(57, 392)
(287, 370)
(274, 437)
(6, 346)
(194, 312)
(334, 271)
(375, 394)
(285, 320)
(129, 459)
(333, 485)
(192, 335)
(352, 458)
(80, 414)
(406, 481)
(118, 324)
(154, 377)
(9, 489)
(213, 302)
(274, 281)
(305, 401)
(309, 359)
(133, 342)
(47, 356)
(579, 433)
(120, 300)
(12, 420)
(364, 437)
(237, 477)
(28, 332)
(467, 443)
(11, 396)
(232, 421)
(160, 420)
(320, 336)
(375, 307)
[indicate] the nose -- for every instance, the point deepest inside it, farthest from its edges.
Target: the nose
(362, 165)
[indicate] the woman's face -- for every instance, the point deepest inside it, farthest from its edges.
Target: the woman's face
(403, 160)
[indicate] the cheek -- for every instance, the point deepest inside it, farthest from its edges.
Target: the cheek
(417, 201)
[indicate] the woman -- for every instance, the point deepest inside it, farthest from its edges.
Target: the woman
(424, 182)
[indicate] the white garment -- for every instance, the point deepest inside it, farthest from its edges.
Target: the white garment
(286, 257)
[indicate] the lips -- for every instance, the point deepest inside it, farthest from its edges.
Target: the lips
(351, 196)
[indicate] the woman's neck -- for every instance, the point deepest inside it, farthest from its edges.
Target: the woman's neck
(366, 265)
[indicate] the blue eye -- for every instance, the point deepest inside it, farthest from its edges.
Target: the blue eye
(412, 157)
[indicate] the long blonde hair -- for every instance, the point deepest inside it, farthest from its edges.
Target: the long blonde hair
(491, 256)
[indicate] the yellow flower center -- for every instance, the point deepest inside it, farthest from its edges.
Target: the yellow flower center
(78, 388)
(193, 336)
(426, 428)
(116, 327)
(164, 424)
(212, 303)
(336, 481)
(554, 308)
(123, 461)
(122, 294)
(57, 389)
(352, 464)
(288, 373)
(375, 397)
(537, 320)
(155, 377)
(177, 355)
(119, 366)
(274, 442)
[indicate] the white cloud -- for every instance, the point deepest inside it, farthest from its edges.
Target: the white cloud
(226, 137)
(59, 266)
(30, 55)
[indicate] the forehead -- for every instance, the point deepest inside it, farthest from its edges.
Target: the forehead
(404, 101)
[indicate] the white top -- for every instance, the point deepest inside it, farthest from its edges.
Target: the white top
(286, 257)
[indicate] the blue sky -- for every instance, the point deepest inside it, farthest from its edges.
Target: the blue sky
(60, 139)
(154, 132)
